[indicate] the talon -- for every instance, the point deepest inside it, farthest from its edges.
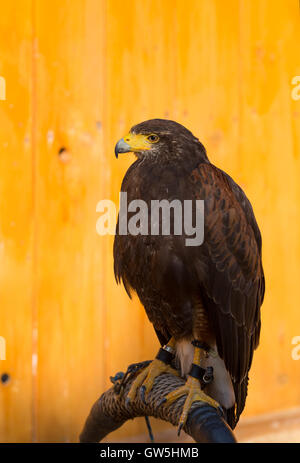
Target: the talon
(179, 429)
(194, 393)
(162, 401)
(142, 394)
(127, 402)
(220, 409)
(145, 379)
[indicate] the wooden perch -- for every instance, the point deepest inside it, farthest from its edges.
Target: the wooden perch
(204, 424)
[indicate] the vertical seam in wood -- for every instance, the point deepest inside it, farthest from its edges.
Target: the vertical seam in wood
(103, 180)
(34, 358)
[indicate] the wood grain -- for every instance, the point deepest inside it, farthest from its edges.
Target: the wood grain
(16, 223)
(79, 74)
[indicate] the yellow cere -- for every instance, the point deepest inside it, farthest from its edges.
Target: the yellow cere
(137, 142)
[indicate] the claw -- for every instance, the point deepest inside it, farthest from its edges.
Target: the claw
(193, 393)
(127, 402)
(145, 379)
(179, 429)
(162, 401)
(142, 394)
(220, 409)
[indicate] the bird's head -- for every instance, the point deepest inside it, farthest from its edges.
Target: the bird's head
(159, 140)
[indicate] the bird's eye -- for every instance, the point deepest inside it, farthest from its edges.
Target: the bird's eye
(153, 138)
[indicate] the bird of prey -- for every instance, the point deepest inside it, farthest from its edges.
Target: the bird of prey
(203, 301)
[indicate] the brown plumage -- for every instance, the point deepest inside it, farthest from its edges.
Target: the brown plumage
(213, 291)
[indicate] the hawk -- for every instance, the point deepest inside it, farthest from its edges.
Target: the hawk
(203, 301)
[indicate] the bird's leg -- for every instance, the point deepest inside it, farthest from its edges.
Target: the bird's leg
(192, 388)
(161, 364)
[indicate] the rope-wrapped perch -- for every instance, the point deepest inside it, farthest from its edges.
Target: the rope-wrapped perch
(204, 424)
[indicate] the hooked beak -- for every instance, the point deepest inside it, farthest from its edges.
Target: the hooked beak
(134, 142)
(121, 147)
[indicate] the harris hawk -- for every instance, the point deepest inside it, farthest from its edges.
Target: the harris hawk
(203, 301)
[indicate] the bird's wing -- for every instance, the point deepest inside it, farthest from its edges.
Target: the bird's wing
(230, 272)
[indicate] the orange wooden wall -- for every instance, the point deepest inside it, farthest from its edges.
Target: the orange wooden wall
(79, 74)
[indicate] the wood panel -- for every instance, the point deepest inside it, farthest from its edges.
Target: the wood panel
(81, 73)
(270, 171)
(70, 176)
(16, 222)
